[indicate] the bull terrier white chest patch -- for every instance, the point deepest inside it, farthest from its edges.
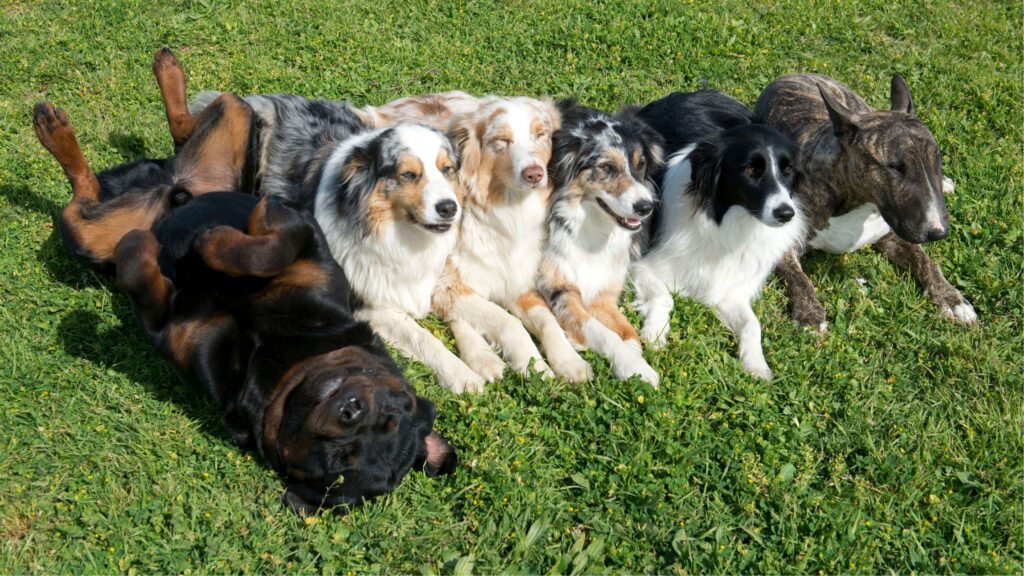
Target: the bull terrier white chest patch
(851, 231)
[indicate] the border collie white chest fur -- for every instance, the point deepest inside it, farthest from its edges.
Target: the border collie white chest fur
(601, 168)
(727, 216)
(387, 202)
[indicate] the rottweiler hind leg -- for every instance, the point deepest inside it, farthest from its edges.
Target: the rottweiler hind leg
(276, 236)
(215, 156)
(90, 229)
(171, 78)
(139, 274)
(56, 135)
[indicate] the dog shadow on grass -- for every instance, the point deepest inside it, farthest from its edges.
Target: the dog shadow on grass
(124, 348)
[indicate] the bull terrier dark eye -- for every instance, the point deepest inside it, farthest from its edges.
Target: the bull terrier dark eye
(898, 167)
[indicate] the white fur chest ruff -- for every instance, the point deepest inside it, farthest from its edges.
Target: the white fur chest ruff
(396, 271)
(714, 262)
(596, 257)
(851, 231)
(499, 248)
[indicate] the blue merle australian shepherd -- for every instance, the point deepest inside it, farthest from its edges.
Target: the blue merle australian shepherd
(601, 169)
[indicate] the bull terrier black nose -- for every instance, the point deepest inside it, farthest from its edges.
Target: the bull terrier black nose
(446, 208)
(533, 174)
(938, 233)
(784, 213)
(643, 208)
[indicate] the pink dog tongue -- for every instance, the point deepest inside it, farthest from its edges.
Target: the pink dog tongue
(633, 222)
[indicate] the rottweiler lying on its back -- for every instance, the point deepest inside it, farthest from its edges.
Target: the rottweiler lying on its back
(243, 297)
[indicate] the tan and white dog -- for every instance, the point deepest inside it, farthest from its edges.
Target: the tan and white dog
(505, 145)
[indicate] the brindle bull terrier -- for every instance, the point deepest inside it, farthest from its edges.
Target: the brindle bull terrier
(867, 177)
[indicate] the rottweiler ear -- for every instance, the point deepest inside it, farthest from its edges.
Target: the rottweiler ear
(899, 95)
(296, 503)
(843, 125)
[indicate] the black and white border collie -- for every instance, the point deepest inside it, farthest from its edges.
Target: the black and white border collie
(601, 169)
(388, 201)
(727, 215)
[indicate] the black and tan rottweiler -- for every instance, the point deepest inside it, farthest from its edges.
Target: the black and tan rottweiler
(242, 295)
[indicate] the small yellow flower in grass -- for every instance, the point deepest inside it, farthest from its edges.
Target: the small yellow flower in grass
(721, 547)
(310, 520)
(640, 399)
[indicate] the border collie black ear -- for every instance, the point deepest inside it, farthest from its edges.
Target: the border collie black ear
(899, 95)
(706, 166)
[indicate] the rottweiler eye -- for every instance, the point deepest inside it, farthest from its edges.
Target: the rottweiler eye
(408, 176)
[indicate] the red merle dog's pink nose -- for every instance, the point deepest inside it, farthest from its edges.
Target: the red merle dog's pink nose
(533, 174)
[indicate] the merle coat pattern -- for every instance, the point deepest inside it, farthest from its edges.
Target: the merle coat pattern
(244, 299)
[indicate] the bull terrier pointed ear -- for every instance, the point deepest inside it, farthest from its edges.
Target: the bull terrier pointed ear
(843, 125)
(899, 95)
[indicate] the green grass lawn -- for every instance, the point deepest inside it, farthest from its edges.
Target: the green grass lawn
(892, 444)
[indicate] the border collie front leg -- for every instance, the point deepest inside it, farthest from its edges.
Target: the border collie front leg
(740, 318)
(912, 257)
(139, 274)
(805, 307)
(475, 351)
(415, 341)
(654, 302)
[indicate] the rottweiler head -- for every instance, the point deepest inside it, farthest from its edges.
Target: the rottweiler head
(343, 426)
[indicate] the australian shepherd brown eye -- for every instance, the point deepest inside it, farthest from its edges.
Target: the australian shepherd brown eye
(750, 170)
(448, 171)
(500, 144)
(607, 170)
(787, 168)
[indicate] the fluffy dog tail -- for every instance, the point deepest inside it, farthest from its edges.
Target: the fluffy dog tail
(202, 100)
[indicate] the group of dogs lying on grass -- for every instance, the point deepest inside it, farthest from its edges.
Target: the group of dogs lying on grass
(288, 239)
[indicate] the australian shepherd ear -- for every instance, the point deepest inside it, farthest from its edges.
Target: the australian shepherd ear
(654, 144)
(464, 131)
(548, 107)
